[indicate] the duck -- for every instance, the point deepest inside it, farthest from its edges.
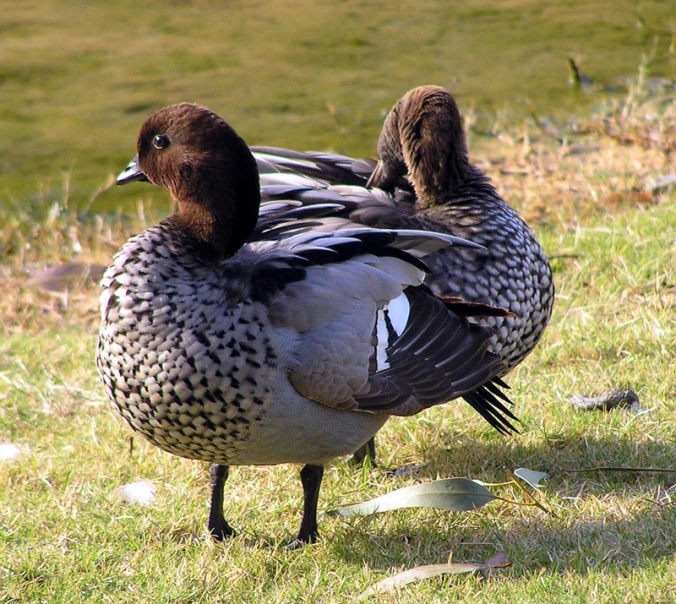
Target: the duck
(423, 179)
(245, 333)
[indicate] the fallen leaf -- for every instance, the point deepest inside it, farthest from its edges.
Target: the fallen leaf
(497, 561)
(419, 573)
(661, 182)
(456, 494)
(407, 470)
(532, 477)
(607, 400)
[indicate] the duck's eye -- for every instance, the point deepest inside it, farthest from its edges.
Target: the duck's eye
(161, 141)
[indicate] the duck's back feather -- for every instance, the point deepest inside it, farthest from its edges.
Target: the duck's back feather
(512, 272)
(350, 277)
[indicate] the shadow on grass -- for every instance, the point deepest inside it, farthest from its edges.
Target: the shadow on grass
(611, 521)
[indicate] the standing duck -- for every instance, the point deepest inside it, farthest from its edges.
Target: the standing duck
(424, 180)
(245, 341)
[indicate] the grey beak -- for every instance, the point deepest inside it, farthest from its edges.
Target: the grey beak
(131, 173)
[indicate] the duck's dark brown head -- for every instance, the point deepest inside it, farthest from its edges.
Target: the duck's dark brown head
(206, 167)
(424, 138)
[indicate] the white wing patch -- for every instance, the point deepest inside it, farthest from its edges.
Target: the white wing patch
(390, 324)
(382, 339)
(399, 310)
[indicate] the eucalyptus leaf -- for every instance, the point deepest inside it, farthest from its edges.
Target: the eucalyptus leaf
(434, 570)
(499, 560)
(532, 477)
(456, 494)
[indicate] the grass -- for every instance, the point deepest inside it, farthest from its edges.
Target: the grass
(66, 537)
(78, 78)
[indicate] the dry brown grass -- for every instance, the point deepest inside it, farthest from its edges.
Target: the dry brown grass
(562, 176)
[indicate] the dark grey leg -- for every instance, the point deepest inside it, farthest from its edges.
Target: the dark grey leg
(311, 477)
(218, 526)
(360, 454)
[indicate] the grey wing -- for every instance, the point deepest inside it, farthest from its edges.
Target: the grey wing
(332, 314)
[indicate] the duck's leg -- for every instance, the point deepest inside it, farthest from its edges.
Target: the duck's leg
(311, 477)
(360, 454)
(218, 526)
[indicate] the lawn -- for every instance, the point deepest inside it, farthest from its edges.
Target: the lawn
(585, 184)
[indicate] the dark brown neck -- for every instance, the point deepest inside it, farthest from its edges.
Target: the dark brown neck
(206, 229)
(436, 178)
(220, 206)
(433, 143)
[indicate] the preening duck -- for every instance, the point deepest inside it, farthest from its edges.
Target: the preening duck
(424, 180)
(285, 338)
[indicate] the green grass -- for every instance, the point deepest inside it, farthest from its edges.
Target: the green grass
(76, 84)
(78, 78)
(65, 537)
